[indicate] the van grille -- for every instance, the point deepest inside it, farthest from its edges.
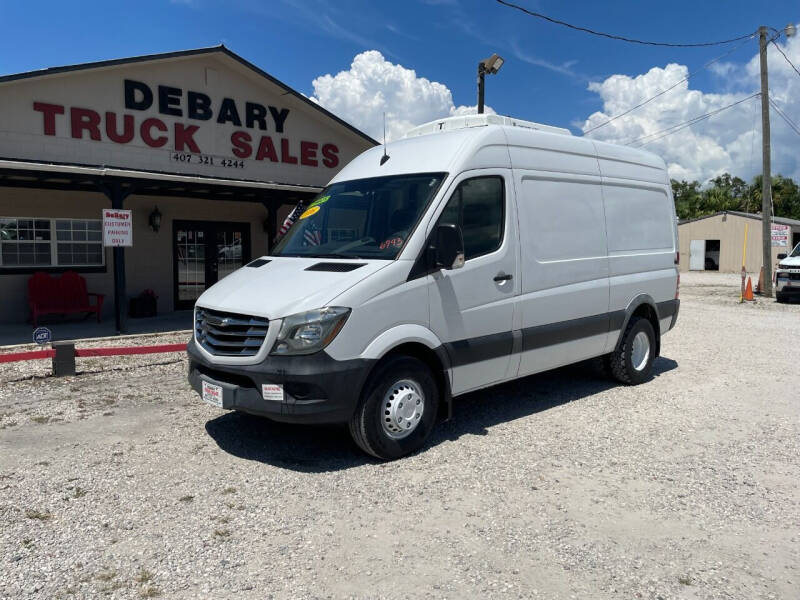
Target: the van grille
(229, 334)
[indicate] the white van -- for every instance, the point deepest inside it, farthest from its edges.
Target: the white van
(481, 250)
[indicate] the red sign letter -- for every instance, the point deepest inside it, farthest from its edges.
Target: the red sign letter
(329, 151)
(145, 131)
(84, 118)
(285, 156)
(241, 144)
(183, 135)
(266, 149)
(49, 112)
(127, 128)
(308, 153)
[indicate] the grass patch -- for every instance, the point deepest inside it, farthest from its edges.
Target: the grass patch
(144, 576)
(229, 490)
(188, 498)
(222, 533)
(222, 519)
(106, 575)
(27, 543)
(685, 580)
(78, 492)
(149, 591)
(40, 420)
(38, 515)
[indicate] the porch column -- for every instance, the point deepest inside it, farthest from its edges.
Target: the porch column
(117, 192)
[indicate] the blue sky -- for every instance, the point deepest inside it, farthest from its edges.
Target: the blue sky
(546, 77)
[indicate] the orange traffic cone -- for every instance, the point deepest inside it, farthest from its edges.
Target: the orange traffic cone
(760, 284)
(748, 291)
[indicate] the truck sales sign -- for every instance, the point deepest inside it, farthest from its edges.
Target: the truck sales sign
(206, 114)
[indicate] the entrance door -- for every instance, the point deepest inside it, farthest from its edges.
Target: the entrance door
(203, 252)
(697, 255)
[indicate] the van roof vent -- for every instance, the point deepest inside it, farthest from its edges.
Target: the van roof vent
(467, 121)
(335, 267)
(259, 262)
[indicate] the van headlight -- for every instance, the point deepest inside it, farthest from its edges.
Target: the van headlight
(309, 332)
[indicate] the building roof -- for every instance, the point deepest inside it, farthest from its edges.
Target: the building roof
(221, 49)
(738, 213)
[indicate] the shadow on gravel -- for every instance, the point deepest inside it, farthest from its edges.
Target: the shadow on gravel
(316, 449)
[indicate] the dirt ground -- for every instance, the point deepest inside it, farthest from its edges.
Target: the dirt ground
(119, 482)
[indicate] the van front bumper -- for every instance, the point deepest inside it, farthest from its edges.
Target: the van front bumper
(788, 283)
(317, 388)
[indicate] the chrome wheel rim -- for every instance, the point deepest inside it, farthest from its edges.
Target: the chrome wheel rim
(640, 350)
(403, 405)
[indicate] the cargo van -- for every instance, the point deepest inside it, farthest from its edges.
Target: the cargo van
(474, 251)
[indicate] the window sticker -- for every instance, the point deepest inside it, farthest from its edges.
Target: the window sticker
(396, 242)
(310, 212)
(319, 201)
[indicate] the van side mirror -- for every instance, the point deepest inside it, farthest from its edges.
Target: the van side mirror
(782, 255)
(449, 250)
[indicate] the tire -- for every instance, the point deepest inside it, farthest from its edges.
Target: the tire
(779, 297)
(389, 405)
(621, 361)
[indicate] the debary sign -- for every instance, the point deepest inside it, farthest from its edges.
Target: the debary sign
(245, 143)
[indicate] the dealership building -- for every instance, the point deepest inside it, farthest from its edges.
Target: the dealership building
(206, 150)
(717, 242)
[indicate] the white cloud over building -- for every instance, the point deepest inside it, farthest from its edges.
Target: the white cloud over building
(728, 141)
(374, 85)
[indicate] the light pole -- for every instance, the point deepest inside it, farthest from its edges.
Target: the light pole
(491, 66)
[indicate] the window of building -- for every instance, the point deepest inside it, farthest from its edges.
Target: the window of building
(36, 242)
(477, 206)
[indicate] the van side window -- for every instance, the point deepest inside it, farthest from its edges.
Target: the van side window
(478, 207)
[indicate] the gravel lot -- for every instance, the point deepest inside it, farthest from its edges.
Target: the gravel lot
(120, 483)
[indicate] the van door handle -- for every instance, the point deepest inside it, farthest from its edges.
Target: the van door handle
(502, 277)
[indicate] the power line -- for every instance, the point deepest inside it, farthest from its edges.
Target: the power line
(672, 87)
(784, 56)
(618, 37)
(789, 122)
(690, 122)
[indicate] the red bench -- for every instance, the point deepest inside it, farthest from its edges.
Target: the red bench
(61, 295)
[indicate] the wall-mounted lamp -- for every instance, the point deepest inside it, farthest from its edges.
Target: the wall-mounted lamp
(155, 219)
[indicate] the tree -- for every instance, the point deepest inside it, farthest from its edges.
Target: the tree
(726, 192)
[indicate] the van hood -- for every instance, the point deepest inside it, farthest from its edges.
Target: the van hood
(285, 285)
(793, 262)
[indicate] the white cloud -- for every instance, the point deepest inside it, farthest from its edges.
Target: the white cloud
(374, 85)
(729, 141)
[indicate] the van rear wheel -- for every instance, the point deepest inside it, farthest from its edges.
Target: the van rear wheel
(632, 362)
(397, 410)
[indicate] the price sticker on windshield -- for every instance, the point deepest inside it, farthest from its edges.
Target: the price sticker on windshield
(310, 212)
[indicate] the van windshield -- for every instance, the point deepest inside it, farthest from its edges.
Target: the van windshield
(363, 218)
(795, 252)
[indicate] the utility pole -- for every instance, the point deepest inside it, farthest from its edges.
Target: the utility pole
(766, 175)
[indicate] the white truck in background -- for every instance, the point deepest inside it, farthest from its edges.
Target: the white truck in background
(787, 276)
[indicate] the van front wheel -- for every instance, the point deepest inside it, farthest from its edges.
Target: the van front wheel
(632, 362)
(397, 410)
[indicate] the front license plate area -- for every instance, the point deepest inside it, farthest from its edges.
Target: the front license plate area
(212, 394)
